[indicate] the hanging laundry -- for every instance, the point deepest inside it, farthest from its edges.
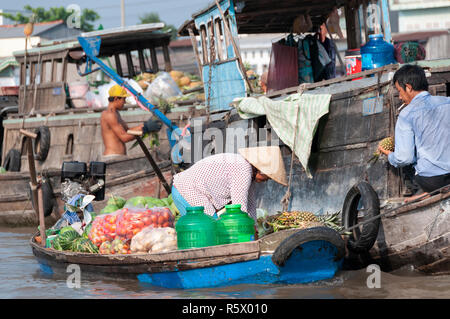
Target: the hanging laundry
(283, 67)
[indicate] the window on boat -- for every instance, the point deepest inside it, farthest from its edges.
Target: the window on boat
(220, 47)
(205, 59)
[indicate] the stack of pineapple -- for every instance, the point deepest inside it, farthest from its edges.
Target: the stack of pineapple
(302, 220)
(387, 144)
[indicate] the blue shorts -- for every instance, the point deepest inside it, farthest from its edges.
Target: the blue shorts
(181, 203)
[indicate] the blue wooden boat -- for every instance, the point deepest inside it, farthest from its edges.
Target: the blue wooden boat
(290, 256)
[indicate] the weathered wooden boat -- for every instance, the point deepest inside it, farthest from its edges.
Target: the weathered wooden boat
(68, 130)
(287, 257)
(362, 111)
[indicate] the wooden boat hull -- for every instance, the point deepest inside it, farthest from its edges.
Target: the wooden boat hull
(417, 236)
(127, 177)
(222, 265)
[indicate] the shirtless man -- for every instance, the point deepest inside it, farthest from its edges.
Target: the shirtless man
(114, 128)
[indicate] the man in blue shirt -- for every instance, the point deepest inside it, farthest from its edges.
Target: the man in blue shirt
(422, 131)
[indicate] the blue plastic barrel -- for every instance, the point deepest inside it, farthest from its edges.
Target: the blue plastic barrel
(376, 53)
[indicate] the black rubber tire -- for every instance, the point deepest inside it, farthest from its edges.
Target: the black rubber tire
(12, 161)
(361, 240)
(48, 197)
(287, 246)
(41, 143)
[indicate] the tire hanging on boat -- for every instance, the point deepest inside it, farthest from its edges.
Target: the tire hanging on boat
(287, 246)
(12, 161)
(361, 240)
(48, 197)
(41, 143)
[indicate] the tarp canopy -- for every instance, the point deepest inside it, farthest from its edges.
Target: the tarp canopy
(268, 16)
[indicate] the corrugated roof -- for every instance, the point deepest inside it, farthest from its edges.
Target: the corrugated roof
(16, 30)
(6, 62)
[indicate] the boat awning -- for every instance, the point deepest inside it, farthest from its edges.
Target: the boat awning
(115, 40)
(268, 16)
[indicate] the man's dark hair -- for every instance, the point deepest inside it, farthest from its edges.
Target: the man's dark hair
(110, 98)
(412, 75)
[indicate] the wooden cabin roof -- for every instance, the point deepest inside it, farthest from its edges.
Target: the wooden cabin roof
(268, 16)
(116, 40)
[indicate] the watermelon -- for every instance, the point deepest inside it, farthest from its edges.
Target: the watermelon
(117, 201)
(108, 209)
(65, 229)
(56, 245)
(67, 238)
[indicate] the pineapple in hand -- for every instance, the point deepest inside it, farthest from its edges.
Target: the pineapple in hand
(386, 144)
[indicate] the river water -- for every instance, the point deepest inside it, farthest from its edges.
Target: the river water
(21, 277)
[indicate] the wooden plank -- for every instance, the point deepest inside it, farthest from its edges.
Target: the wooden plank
(118, 64)
(141, 61)
(130, 66)
(194, 46)
(179, 256)
(167, 63)
(155, 66)
(310, 86)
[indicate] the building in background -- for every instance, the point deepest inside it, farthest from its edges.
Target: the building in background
(420, 15)
(12, 37)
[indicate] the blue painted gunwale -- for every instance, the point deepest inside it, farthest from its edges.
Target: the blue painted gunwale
(310, 262)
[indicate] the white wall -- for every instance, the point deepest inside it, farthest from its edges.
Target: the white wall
(9, 45)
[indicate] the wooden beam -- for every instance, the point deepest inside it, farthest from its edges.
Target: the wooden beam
(167, 63)
(155, 66)
(130, 64)
(118, 65)
(141, 60)
(197, 55)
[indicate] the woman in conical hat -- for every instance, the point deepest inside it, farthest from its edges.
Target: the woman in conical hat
(225, 178)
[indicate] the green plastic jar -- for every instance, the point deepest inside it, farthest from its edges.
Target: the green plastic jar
(195, 229)
(235, 226)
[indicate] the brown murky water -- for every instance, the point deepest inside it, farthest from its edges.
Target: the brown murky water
(21, 277)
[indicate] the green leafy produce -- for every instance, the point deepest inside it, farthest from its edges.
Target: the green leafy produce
(108, 209)
(67, 238)
(154, 202)
(138, 201)
(87, 230)
(84, 245)
(117, 201)
(2, 170)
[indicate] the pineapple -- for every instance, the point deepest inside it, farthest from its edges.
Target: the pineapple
(387, 144)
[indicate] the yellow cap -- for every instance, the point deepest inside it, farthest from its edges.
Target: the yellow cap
(117, 91)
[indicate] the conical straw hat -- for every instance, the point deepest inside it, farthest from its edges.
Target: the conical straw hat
(268, 160)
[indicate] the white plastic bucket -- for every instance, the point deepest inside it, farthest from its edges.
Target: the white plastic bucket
(77, 92)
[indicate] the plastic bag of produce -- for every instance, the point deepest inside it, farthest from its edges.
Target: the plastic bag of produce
(154, 240)
(127, 222)
(162, 87)
(132, 221)
(117, 246)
